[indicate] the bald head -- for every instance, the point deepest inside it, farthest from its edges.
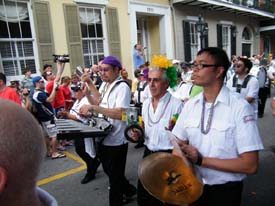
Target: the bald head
(21, 145)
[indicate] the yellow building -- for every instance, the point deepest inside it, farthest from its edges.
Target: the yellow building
(31, 31)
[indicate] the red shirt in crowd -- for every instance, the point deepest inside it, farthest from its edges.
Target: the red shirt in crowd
(10, 94)
(59, 100)
(68, 96)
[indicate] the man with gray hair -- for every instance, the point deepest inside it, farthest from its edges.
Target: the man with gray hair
(22, 149)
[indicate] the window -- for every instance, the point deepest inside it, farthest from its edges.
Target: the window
(194, 40)
(246, 34)
(16, 42)
(92, 34)
(226, 39)
(246, 42)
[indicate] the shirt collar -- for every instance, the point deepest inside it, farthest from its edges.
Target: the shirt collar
(223, 97)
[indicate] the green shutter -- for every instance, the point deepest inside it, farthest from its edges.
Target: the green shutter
(113, 32)
(219, 36)
(186, 40)
(233, 40)
(43, 28)
(73, 34)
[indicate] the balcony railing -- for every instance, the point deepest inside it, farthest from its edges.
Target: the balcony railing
(265, 5)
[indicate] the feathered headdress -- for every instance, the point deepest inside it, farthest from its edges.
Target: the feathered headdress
(171, 71)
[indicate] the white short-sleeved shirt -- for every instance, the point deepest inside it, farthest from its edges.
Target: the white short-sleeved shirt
(251, 90)
(143, 94)
(76, 107)
(155, 135)
(183, 91)
(89, 144)
(271, 70)
(119, 97)
(233, 131)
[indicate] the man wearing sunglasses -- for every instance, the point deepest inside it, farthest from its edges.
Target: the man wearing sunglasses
(245, 84)
(44, 111)
(217, 131)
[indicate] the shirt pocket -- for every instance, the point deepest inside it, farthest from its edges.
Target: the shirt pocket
(193, 133)
(222, 139)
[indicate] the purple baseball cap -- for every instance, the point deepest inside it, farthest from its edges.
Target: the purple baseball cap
(112, 60)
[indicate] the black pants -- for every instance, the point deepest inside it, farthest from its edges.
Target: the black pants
(263, 92)
(143, 197)
(113, 159)
(228, 194)
(80, 150)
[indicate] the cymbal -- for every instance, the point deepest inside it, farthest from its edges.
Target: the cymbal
(169, 178)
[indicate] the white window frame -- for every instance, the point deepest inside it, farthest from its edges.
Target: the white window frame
(18, 74)
(226, 39)
(244, 41)
(104, 31)
(195, 43)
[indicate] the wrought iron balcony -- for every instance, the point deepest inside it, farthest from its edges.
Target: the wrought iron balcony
(260, 8)
(265, 5)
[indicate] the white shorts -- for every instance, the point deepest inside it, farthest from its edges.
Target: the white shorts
(49, 129)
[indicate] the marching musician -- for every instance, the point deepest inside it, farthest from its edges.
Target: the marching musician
(111, 101)
(157, 112)
(84, 147)
(218, 132)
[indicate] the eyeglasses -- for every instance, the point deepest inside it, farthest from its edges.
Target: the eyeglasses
(155, 80)
(41, 81)
(202, 66)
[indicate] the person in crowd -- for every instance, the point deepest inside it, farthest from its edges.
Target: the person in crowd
(186, 72)
(231, 70)
(95, 75)
(124, 76)
(138, 55)
(157, 112)
(83, 147)
(264, 85)
(47, 69)
(7, 92)
(75, 81)
(111, 101)
(142, 91)
(45, 113)
(67, 93)
(59, 100)
(18, 175)
(217, 131)
(26, 82)
(245, 84)
(135, 80)
(24, 94)
(271, 73)
(141, 94)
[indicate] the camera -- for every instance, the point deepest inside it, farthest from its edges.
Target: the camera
(61, 58)
(26, 93)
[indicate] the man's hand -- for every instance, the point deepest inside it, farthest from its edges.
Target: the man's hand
(63, 114)
(86, 78)
(190, 152)
(86, 110)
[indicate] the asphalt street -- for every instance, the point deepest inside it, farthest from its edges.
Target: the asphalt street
(62, 177)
